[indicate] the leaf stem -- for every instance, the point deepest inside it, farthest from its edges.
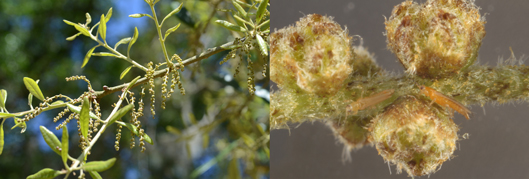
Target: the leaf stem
(162, 40)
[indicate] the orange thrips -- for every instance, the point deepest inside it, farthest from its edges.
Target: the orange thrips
(445, 101)
(369, 101)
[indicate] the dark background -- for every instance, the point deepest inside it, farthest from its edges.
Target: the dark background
(498, 143)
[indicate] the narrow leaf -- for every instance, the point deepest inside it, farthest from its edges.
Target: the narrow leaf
(19, 124)
(239, 8)
(88, 55)
(139, 15)
(33, 88)
(230, 26)
(1, 137)
(99, 166)
(147, 138)
(120, 113)
(134, 130)
(173, 12)
(233, 169)
(102, 29)
(109, 14)
(58, 102)
(3, 98)
(104, 54)
(95, 175)
(77, 109)
(30, 100)
(262, 45)
(88, 18)
(171, 30)
(241, 20)
(64, 146)
(133, 82)
(6, 115)
(264, 25)
(51, 139)
(125, 72)
(84, 117)
(73, 37)
(122, 41)
(46, 173)
(261, 9)
(134, 38)
(81, 29)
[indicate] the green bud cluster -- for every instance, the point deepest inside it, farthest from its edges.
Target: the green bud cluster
(314, 55)
(414, 135)
(435, 39)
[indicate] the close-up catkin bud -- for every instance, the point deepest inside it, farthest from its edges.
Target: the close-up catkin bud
(313, 55)
(435, 39)
(414, 135)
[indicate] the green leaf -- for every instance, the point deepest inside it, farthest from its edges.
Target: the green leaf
(134, 130)
(261, 9)
(262, 45)
(171, 30)
(99, 166)
(19, 124)
(104, 54)
(81, 29)
(134, 38)
(58, 102)
(51, 139)
(46, 173)
(239, 8)
(33, 88)
(205, 141)
(133, 82)
(122, 41)
(3, 98)
(233, 169)
(64, 145)
(84, 117)
(102, 29)
(264, 25)
(109, 14)
(125, 72)
(230, 26)
(77, 109)
(173, 12)
(2, 136)
(88, 18)
(120, 113)
(88, 55)
(139, 15)
(73, 37)
(95, 175)
(241, 21)
(6, 115)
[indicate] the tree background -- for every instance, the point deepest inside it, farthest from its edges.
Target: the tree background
(32, 44)
(497, 147)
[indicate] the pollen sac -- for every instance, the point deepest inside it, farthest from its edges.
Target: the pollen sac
(314, 55)
(435, 39)
(414, 135)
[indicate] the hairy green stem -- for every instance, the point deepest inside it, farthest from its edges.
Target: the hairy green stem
(480, 85)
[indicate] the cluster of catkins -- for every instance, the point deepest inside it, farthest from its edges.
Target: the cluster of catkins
(434, 40)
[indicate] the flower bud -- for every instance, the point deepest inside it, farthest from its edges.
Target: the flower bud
(437, 38)
(313, 55)
(414, 135)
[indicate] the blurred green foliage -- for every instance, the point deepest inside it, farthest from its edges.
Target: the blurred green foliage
(194, 129)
